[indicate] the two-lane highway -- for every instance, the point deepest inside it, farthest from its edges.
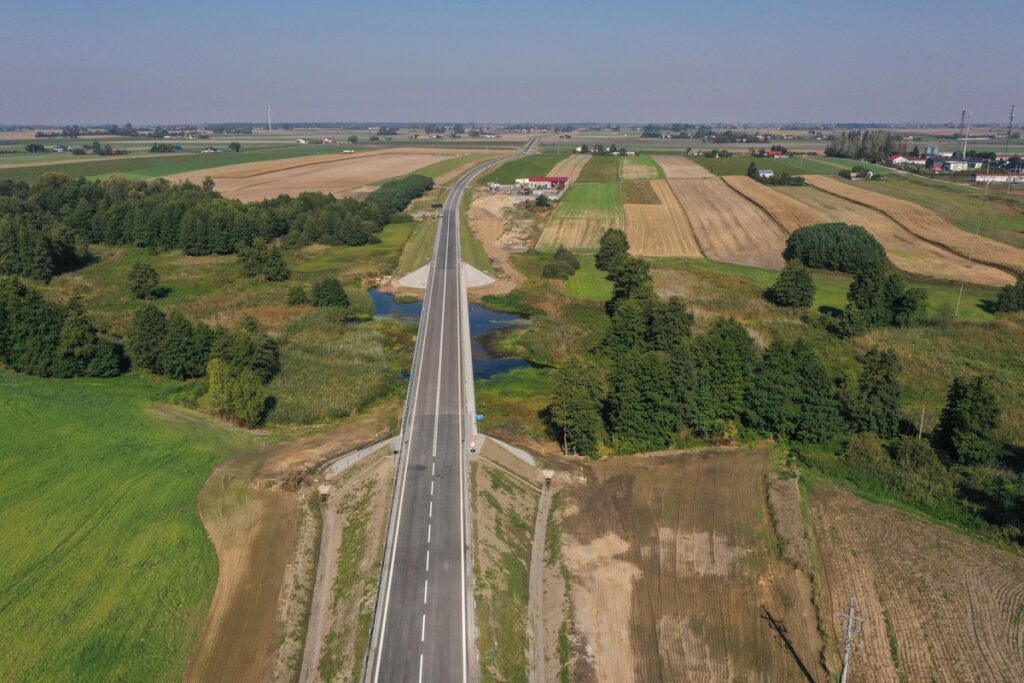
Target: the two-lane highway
(421, 629)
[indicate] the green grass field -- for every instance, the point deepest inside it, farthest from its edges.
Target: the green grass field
(832, 287)
(588, 283)
(600, 197)
(601, 169)
(106, 572)
(522, 167)
(511, 403)
(440, 168)
(646, 160)
(157, 165)
(638, 192)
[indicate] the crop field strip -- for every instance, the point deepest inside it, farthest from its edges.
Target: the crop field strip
(570, 167)
(658, 228)
(642, 167)
(601, 169)
(583, 215)
(907, 251)
(953, 605)
(528, 166)
(928, 225)
(786, 211)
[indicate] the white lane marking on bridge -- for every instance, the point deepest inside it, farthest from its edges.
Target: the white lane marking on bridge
(431, 488)
(428, 560)
(426, 585)
(421, 668)
(428, 534)
(423, 627)
(430, 512)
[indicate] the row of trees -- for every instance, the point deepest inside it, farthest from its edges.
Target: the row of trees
(42, 226)
(41, 338)
(326, 293)
(868, 145)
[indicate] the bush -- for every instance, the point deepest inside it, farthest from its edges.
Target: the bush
(329, 292)
(835, 246)
(562, 266)
(794, 288)
(542, 202)
(1011, 297)
(144, 281)
(966, 429)
(297, 296)
(878, 297)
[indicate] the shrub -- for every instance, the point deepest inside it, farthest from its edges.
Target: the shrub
(144, 281)
(562, 265)
(1011, 297)
(329, 292)
(794, 288)
(966, 429)
(835, 246)
(297, 296)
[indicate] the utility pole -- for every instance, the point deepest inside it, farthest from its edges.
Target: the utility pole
(269, 127)
(920, 424)
(1009, 129)
(854, 627)
(967, 134)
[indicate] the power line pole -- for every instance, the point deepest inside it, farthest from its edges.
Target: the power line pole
(1009, 128)
(854, 627)
(269, 127)
(967, 135)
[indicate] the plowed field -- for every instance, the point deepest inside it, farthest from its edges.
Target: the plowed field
(681, 167)
(786, 211)
(927, 225)
(728, 226)
(672, 559)
(343, 175)
(660, 229)
(938, 606)
(906, 250)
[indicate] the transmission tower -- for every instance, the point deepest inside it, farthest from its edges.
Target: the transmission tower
(1009, 128)
(269, 126)
(965, 120)
(854, 627)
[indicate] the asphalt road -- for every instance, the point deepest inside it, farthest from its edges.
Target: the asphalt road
(422, 632)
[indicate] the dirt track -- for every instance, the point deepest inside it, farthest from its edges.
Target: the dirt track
(570, 167)
(927, 225)
(728, 226)
(907, 251)
(340, 175)
(954, 605)
(660, 229)
(681, 544)
(786, 211)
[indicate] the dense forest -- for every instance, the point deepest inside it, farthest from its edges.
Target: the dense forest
(46, 228)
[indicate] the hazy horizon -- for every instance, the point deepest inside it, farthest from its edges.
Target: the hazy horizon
(225, 61)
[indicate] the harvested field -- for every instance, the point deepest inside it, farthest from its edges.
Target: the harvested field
(938, 605)
(682, 168)
(639, 168)
(660, 229)
(350, 175)
(601, 169)
(583, 215)
(728, 226)
(786, 211)
(907, 251)
(682, 544)
(570, 167)
(928, 225)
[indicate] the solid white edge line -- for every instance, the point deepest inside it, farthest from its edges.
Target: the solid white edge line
(425, 316)
(462, 481)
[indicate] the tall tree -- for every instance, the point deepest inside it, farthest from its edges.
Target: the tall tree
(144, 336)
(612, 248)
(714, 376)
(329, 292)
(642, 406)
(670, 323)
(794, 288)
(966, 429)
(876, 405)
(144, 281)
(579, 390)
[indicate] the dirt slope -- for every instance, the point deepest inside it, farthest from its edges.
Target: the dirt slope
(672, 558)
(938, 605)
(727, 225)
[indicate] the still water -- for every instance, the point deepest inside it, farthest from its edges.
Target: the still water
(481, 322)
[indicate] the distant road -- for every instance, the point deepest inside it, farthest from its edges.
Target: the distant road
(422, 628)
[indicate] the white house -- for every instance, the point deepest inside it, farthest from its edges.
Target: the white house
(765, 173)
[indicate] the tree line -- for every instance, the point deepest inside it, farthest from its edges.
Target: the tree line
(867, 145)
(46, 228)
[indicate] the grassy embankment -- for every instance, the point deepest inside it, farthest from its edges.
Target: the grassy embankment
(105, 569)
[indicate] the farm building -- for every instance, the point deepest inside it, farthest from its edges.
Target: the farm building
(899, 160)
(544, 182)
(765, 173)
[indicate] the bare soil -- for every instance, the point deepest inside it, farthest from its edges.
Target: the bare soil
(938, 605)
(341, 175)
(673, 557)
(501, 228)
(928, 225)
(250, 507)
(906, 250)
(660, 229)
(785, 210)
(728, 226)
(570, 167)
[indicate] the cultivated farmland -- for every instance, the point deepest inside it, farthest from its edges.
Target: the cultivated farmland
(786, 211)
(729, 227)
(672, 558)
(601, 169)
(570, 167)
(523, 167)
(681, 167)
(906, 250)
(642, 167)
(583, 215)
(347, 176)
(938, 605)
(660, 228)
(928, 225)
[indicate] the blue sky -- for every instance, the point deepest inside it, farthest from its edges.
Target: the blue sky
(568, 60)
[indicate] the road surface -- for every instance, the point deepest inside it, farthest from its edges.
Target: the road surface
(422, 630)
